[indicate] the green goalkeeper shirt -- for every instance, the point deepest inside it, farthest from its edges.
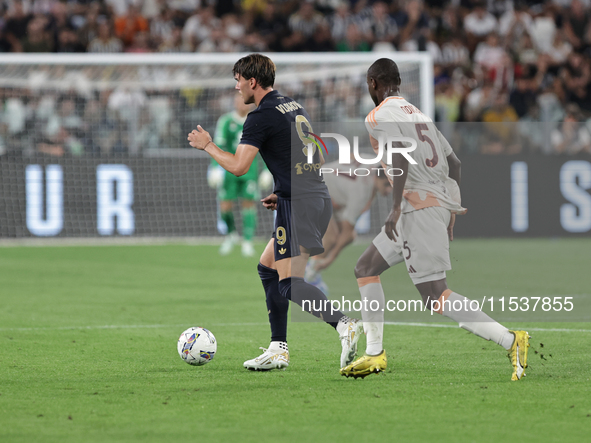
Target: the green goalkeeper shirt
(227, 136)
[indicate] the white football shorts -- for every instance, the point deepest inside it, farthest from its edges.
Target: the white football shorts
(423, 244)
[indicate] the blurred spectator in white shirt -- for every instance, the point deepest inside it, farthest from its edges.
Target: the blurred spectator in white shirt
(480, 22)
(217, 41)
(543, 29)
(198, 27)
(560, 50)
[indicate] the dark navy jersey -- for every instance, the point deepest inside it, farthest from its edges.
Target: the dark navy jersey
(272, 129)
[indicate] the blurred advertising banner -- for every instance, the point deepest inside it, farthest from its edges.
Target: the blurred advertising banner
(530, 195)
(518, 195)
(533, 195)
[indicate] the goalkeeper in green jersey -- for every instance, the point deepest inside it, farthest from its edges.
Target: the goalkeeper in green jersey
(231, 188)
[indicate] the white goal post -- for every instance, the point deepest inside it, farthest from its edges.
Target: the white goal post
(325, 65)
(64, 116)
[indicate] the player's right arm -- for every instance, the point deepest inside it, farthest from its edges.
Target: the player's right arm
(237, 164)
(220, 136)
(254, 134)
(399, 163)
(215, 173)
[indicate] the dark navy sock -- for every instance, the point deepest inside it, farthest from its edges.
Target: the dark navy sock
(310, 298)
(277, 305)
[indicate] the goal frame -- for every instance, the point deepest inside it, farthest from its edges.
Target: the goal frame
(422, 58)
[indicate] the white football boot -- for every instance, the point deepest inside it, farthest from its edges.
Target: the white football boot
(276, 357)
(349, 330)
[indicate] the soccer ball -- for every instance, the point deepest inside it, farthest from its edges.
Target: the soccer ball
(197, 346)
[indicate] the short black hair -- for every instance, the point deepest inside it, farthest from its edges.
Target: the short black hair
(257, 66)
(385, 71)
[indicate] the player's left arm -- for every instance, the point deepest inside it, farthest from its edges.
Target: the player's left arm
(455, 167)
(455, 172)
(237, 164)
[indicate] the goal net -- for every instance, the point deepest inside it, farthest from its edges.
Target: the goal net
(95, 145)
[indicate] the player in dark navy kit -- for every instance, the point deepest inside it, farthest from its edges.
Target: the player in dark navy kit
(300, 197)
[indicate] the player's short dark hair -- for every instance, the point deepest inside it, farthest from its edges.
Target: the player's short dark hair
(256, 66)
(385, 71)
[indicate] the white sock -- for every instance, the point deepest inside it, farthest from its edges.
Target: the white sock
(372, 296)
(278, 346)
(457, 307)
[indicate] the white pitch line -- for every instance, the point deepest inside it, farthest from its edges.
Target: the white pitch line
(108, 241)
(70, 328)
(439, 325)
(185, 325)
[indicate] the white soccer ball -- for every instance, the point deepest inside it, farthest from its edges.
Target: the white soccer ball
(197, 346)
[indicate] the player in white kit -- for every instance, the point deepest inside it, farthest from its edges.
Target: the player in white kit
(426, 199)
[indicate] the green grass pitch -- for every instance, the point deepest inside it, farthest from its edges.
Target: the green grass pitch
(88, 352)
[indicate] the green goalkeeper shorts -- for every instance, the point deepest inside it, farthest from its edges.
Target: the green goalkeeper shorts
(237, 187)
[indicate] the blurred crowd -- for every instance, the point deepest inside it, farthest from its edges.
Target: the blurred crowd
(495, 61)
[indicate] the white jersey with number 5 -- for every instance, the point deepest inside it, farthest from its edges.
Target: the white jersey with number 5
(427, 183)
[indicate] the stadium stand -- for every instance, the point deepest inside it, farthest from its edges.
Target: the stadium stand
(494, 61)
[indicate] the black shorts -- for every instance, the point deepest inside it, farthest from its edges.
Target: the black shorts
(301, 223)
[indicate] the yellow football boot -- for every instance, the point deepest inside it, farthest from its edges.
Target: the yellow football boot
(366, 365)
(518, 354)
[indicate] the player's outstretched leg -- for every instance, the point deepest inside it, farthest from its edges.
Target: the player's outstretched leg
(276, 356)
(374, 360)
(457, 307)
(313, 301)
(369, 266)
